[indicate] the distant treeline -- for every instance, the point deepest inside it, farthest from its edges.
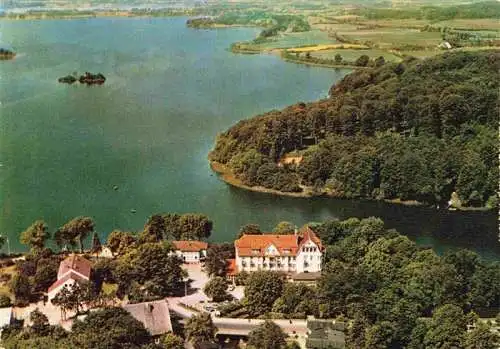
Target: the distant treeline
(487, 9)
(272, 23)
(415, 130)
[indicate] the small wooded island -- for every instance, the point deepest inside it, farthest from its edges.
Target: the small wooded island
(6, 54)
(87, 78)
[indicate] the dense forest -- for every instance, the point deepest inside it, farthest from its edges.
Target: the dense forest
(415, 130)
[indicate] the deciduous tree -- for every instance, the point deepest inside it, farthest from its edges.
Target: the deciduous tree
(216, 288)
(36, 235)
(267, 336)
(200, 328)
(261, 291)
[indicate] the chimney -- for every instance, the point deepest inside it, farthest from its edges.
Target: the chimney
(296, 231)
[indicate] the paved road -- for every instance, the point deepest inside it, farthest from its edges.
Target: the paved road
(227, 326)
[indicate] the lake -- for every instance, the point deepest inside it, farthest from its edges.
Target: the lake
(169, 91)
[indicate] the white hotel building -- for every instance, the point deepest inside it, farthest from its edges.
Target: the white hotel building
(295, 253)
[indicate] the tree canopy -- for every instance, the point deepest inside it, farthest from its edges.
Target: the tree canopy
(261, 291)
(36, 235)
(416, 130)
(200, 328)
(267, 336)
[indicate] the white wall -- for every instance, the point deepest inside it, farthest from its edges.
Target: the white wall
(54, 292)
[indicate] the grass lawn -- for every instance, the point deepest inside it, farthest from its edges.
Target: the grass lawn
(351, 55)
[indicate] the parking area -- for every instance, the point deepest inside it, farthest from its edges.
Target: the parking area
(195, 297)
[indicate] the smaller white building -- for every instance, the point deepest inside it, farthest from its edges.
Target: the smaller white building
(71, 270)
(191, 251)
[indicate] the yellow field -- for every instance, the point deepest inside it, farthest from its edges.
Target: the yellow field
(327, 47)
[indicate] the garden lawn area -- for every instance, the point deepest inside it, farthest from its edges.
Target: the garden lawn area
(352, 55)
(287, 40)
(393, 37)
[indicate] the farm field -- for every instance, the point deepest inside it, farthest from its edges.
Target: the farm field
(394, 37)
(471, 24)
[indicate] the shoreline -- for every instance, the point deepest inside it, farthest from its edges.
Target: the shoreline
(228, 177)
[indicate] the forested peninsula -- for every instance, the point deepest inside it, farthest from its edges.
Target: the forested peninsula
(418, 130)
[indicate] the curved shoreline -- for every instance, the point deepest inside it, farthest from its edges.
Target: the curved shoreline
(225, 173)
(228, 176)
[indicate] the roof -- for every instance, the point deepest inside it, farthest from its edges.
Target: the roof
(308, 234)
(154, 315)
(232, 269)
(75, 263)
(256, 245)
(71, 275)
(190, 246)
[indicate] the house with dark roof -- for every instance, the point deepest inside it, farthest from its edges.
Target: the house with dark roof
(294, 253)
(191, 251)
(73, 269)
(154, 315)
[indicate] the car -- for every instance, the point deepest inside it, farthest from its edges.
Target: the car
(231, 288)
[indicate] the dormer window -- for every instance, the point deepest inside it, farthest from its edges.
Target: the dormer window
(287, 251)
(255, 251)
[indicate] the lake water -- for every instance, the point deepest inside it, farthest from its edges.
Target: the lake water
(148, 130)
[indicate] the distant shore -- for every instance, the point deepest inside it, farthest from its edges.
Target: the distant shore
(79, 14)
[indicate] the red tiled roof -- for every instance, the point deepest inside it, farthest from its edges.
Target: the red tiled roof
(190, 246)
(75, 263)
(256, 245)
(232, 268)
(68, 276)
(308, 234)
(155, 316)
